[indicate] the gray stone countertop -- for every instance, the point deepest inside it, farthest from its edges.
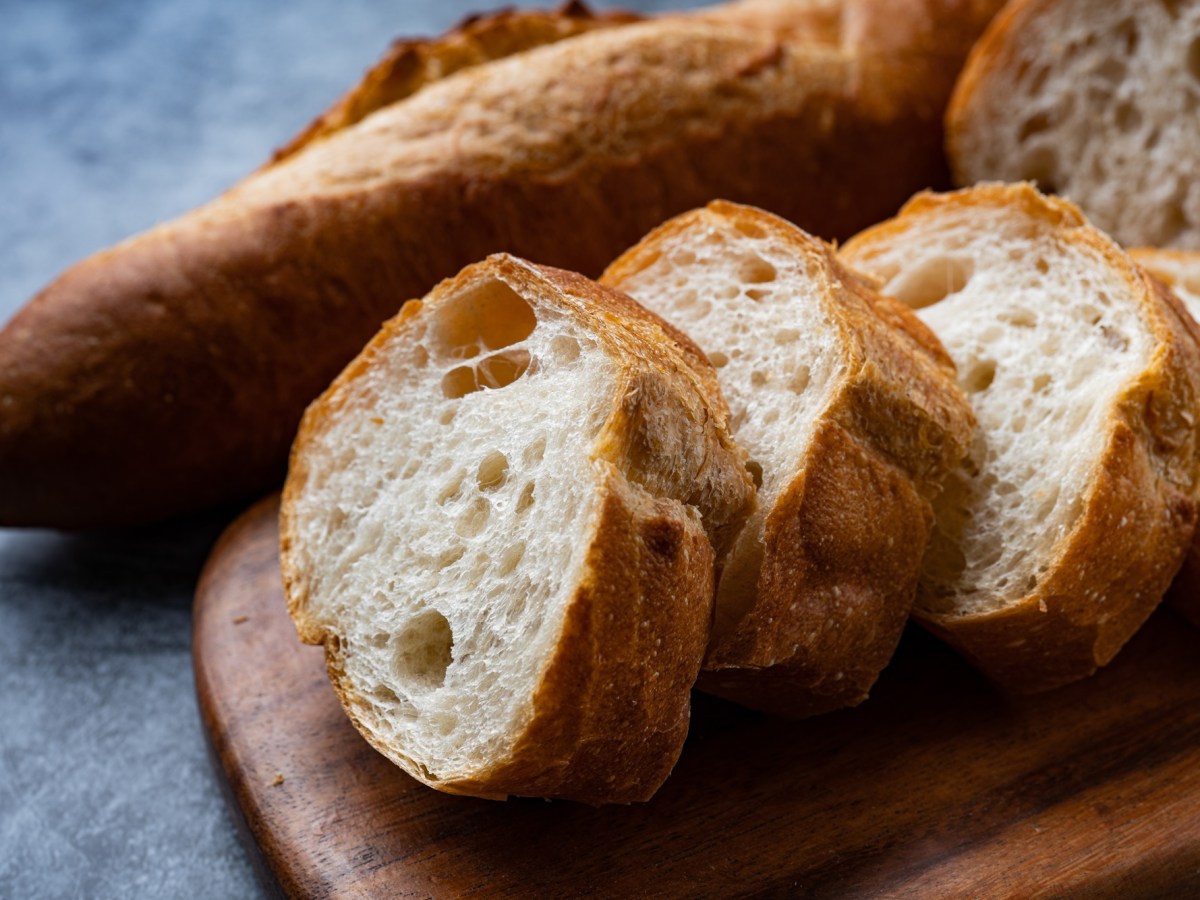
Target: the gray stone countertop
(114, 116)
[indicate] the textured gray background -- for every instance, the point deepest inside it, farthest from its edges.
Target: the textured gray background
(113, 116)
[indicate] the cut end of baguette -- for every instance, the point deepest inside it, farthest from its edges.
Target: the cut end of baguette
(1040, 566)
(1095, 100)
(473, 546)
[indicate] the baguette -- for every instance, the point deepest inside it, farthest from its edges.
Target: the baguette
(169, 372)
(849, 409)
(1180, 271)
(1096, 100)
(498, 520)
(1064, 527)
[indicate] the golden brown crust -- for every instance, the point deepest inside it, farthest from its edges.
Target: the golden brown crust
(1179, 268)
(610, 712)
(170, 372)
(412, 64)
(843, 541)
(1140, 510)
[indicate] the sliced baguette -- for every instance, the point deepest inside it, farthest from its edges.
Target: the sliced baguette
(1062, 530)
(169, 373)
(1096, 100)
(497, 521)
(1180, 271)
(849, 409)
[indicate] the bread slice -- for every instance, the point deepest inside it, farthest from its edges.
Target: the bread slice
(849, 409)
(497, 521)
(1180, 271)
(1061, 531)
(169, 373)
(1096, 100)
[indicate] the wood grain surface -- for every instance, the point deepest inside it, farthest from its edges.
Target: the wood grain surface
(936, 787)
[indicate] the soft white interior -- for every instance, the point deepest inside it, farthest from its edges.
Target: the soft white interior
(450, 504)
(1102, 105)
(1045, 336)
(757, 309)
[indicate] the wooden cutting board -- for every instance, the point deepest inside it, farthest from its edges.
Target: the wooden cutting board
(936, 786)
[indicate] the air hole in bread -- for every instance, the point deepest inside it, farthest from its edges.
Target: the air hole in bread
(756, 270)
(447, 558)
(446, 416)
(491, 316)
(932, 281)
(1017, 427)
(754, 467)
(1041, 383)
(411, 468)
(1114, 338)
(757, 294)
(1152, 138)
(749, 229)
(1110, 70)
(800, 380)
(1127, 117)
(759, 378)
(1128, 32)
(718, 359)
(1035, 124)
(534, 452)
(729, 292)
(525, 500)
(493, 471)
(510, 559)
(424, 650)
(980, 377)
(459, 382)
(565, 349)
(473, 519)
(1020, 318)
(1042, 266)
(787, 335)
(1047, 502)
(451, 489)
(501, 369)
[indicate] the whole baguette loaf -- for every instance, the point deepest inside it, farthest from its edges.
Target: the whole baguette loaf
(1066, 523)
(1097, 101)
(849, 409)
(498, 520)
(169, 372)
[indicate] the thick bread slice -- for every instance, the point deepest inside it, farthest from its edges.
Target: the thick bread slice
(1180, 271)
(169, 372)
(497, 522)
(1096, 100)
(1061, 531)
(849, 409)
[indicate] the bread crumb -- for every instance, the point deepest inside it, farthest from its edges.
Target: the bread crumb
(278, 780)
(238, 620)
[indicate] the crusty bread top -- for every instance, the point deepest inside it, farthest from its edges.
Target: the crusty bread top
(1062, 531)
(412, 64)
(495, 521)
(1095, 100)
